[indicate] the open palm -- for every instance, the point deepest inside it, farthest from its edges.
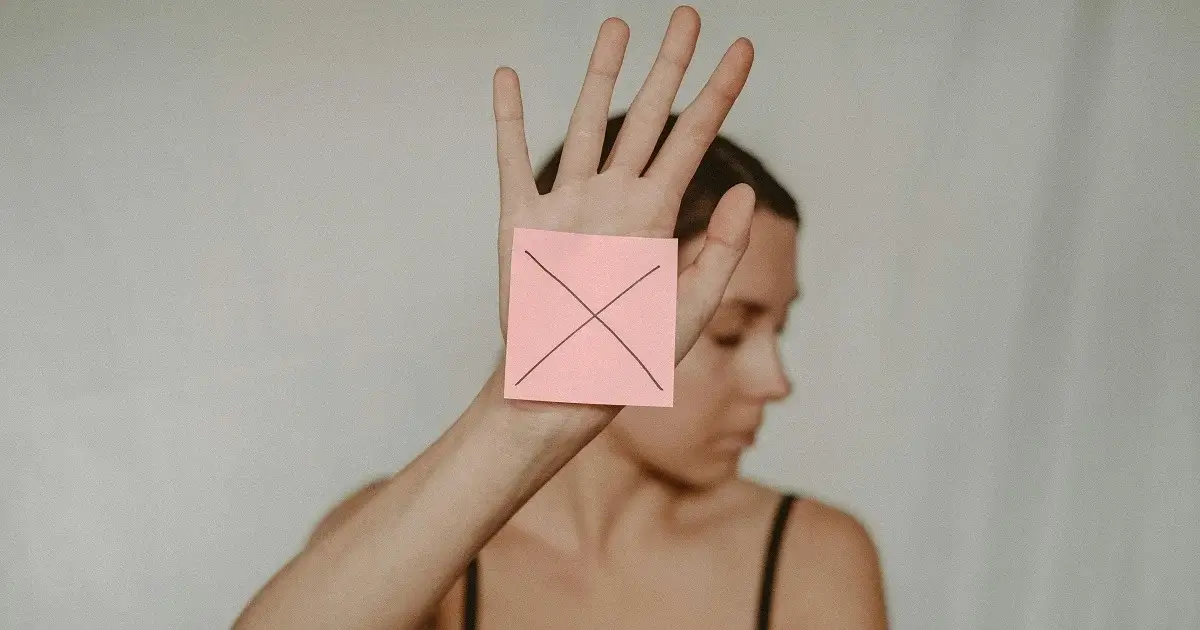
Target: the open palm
(624, 197)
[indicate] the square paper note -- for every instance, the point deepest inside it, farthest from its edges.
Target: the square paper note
(591, 319)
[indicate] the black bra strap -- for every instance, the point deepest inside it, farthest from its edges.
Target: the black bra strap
(772, 559)
(471, 596)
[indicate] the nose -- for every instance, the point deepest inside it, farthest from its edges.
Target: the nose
(766, 377)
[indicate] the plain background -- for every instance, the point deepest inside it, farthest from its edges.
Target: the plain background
(248, 260)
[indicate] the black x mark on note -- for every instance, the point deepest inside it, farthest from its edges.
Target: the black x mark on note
(595, 315)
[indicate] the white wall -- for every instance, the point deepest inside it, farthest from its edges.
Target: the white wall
(248, 263)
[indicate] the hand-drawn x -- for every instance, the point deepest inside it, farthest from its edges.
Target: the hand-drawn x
(595, 316)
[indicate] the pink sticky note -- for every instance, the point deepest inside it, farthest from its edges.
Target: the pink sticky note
(591, 319)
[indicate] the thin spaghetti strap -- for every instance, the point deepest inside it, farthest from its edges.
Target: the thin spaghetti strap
(471, 596)
(771, 560)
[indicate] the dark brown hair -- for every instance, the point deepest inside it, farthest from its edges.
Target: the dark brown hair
(723, 166)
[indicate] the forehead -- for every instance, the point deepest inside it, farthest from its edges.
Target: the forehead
(769, 264)
(767, 271)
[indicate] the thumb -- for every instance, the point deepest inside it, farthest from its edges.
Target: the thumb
(703, 282)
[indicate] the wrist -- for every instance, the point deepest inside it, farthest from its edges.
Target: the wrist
(538, 421)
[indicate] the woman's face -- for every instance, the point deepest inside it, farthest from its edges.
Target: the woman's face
(728, 377)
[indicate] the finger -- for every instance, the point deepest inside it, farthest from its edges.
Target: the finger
(680, 155)
(512, 151)
(585, 133)
(650, 108)
(703, 282)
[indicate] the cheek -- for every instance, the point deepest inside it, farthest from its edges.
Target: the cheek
(704, 387)
(660, 437)
(703, 380)
(668, 437)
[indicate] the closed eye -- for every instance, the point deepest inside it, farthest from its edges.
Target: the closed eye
(728, 341)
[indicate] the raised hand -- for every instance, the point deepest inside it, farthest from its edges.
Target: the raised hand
(399, 552)
(625, 197)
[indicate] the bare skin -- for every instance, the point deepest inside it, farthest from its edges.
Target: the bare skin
(648, 526)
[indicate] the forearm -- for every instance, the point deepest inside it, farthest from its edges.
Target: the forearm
(392, 561)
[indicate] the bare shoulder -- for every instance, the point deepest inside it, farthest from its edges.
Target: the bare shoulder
(829, 573)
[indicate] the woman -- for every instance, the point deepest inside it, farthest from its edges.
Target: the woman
(649, 526)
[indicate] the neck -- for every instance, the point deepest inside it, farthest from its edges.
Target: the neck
(601, 501)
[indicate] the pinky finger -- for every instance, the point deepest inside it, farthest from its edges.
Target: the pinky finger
(703, 282)
(512, 151)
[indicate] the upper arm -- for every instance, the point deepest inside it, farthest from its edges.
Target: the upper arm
(829, 572)
(342, 512)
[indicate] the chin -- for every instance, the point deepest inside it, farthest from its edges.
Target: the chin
(701, 471)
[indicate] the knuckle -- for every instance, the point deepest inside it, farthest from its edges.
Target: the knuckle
(601, 73)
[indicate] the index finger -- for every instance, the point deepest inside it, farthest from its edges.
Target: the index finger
(699, 123)
(512, 151)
